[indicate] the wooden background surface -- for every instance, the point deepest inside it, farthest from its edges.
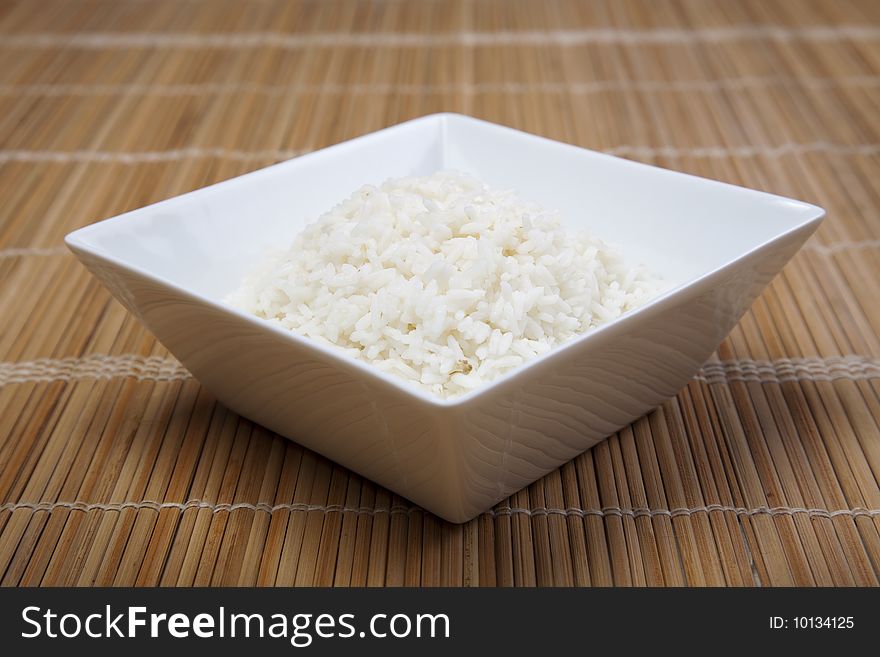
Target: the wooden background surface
(117, 468)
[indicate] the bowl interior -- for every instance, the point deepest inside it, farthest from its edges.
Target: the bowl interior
(680, 226)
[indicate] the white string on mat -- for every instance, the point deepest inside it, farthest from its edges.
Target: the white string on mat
(142, 157)
(715, 152)
(790, 369)
(841, 246)
(625, 150)
(94, 366)
(39, 251)
(613, 511)
(583, 87)
(564, 38)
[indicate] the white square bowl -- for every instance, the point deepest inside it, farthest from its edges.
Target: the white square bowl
(718, 245)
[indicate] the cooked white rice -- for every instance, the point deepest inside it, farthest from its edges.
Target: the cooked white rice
(442, 281)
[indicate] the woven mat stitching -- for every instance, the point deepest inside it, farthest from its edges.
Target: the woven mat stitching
(215, 507)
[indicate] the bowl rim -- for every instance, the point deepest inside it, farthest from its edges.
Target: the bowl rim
(76, 241)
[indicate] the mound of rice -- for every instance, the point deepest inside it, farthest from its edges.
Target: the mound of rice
(442, 281)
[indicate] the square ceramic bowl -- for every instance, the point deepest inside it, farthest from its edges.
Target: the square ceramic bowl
(718, 245)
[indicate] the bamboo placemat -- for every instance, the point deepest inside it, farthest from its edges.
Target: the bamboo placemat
(117, 468)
